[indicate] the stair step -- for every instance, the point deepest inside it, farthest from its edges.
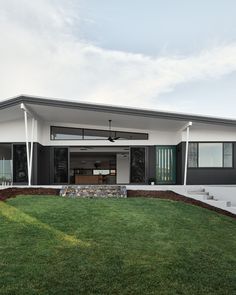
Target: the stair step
(202, 197)
(197, 193)
(208, 197)
(218, 203)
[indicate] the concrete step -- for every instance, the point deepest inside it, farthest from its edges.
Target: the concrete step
(202, 197)
(220, 204)
(197, 192)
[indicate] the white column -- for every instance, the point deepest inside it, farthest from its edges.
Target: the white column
(186, 156)
(31, 149)
(27, 147)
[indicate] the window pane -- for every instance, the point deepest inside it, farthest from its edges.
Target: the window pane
(210, 155)
(137, 163)
(20, 163)
(96, 134)
(131, 135)
(228, 154)
(64, 133)
(60, 165)
(5, 163)
(67, 133)
(192, 154)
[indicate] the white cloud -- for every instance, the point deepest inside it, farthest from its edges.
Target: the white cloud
(41, 55)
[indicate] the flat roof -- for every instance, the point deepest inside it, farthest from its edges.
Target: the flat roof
(98, 107)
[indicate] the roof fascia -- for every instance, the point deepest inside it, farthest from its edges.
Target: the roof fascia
(115, 109)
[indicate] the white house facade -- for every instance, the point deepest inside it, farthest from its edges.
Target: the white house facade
(49, 141)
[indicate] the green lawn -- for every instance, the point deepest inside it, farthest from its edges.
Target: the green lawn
(53, 245)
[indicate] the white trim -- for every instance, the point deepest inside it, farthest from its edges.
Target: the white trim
(29, 111)
(186, 126)
(29, 146)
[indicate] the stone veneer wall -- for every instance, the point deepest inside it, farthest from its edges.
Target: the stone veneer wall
(94, 191)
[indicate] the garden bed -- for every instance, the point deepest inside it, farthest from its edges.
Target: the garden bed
(15, 191)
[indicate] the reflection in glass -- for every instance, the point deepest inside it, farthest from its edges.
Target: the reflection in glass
(64, 133)
(193, 155)
(60, 165)
(71, 133)
(5, 164)
(228, 154)
(20, 173)
(137, 165)
(210, 155)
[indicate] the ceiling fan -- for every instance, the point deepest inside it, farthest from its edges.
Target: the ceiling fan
(110, 137)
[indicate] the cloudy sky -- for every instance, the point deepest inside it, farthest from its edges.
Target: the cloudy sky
(162, 54)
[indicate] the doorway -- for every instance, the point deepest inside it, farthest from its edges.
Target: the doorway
(98, 165)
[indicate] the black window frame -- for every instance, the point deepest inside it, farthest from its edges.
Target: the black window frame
(83, 131)
(222, 167)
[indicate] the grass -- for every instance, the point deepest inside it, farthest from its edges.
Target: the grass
(53, 245)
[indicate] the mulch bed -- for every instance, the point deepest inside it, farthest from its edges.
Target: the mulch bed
(16, 191)
(169, 195)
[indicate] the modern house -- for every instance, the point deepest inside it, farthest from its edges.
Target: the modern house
(49, 141)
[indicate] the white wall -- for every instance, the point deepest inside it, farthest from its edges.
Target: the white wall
(14, 131)
(204, 132)
(155, 136)
(122, 168)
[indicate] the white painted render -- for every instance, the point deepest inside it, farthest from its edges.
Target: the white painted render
(14, 131)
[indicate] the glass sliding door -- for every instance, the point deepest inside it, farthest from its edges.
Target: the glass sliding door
(5, 163)
(138, 165)
(60, 165)
(20, 171)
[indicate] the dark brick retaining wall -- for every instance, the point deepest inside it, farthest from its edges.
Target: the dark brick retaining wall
(13, 192)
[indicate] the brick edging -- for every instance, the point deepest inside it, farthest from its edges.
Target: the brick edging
(15, 191)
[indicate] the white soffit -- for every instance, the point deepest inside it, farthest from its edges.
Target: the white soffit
(89, 114)
(11, 114)
(100, 119)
